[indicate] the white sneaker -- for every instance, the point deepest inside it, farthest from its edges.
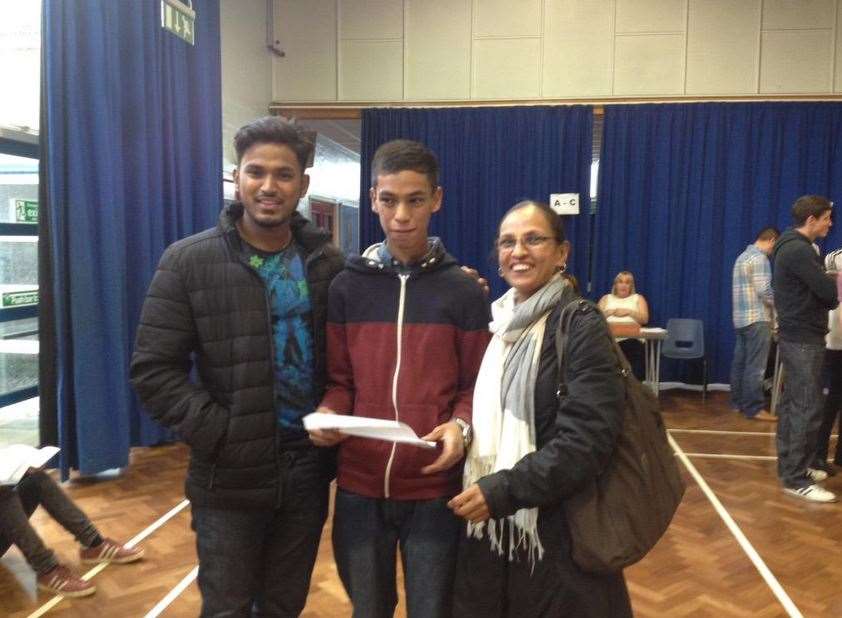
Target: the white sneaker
(813, 493)
(816, 475)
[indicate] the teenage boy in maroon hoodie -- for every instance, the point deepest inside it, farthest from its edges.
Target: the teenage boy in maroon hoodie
(406, 334)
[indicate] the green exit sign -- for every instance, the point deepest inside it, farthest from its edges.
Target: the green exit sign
(19, 299)
(26, 211)
(179, 19)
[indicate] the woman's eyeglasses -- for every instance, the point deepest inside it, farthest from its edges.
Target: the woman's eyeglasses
(531, 241)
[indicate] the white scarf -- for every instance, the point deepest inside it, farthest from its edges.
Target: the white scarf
(503, 407)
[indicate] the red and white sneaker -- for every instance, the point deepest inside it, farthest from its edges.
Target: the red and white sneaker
(110, 551)
(61, 580)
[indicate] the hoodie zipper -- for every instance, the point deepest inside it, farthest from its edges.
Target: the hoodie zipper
(401, 301)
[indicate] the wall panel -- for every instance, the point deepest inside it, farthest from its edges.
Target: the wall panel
(438, 49)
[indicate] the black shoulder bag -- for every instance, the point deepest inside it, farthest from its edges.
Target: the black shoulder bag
(619, 516)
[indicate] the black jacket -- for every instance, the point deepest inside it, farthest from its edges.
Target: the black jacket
(207, 306)
(803, 292)
(575, 439)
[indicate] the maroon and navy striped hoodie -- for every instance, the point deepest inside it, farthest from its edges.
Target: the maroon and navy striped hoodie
(402, 344)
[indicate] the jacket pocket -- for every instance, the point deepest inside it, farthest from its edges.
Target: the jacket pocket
(207, 432)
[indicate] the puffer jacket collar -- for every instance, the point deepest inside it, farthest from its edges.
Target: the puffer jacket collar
(306, 235)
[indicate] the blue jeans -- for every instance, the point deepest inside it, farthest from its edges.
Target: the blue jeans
(258, 562)
(799, 411)
(366, 534)
(751, 352)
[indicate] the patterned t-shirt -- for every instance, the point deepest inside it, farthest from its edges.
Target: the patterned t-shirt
(289, 296)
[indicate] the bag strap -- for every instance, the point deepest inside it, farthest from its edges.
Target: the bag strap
(565, 319)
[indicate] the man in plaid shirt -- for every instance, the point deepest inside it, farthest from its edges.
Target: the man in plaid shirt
(752, 295)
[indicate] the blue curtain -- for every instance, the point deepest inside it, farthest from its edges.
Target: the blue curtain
(490, 158)
(684, 188)
(131, 161)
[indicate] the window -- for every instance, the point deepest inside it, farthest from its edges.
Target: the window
(18, 272)
(20, 74)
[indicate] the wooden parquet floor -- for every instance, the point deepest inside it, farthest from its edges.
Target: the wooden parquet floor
(697, 570)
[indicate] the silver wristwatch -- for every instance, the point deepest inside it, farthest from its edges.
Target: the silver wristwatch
(467, 432)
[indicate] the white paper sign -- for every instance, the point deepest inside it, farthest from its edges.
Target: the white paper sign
(565, 203)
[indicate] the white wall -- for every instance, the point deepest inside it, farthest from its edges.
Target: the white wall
(382, 51)
(246, 68)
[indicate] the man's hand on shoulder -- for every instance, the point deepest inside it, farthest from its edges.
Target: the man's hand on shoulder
(326, 437)
(453, 449)
(481, 281)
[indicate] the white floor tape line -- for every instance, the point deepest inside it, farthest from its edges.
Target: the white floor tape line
(173, 594)
(752, 554)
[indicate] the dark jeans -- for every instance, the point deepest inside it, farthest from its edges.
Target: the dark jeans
(832, 407)
(751, 351)
(16, 503)
(258, 562)
(366, 533)
(800, 410)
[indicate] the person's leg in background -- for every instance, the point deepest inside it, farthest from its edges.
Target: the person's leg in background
(634, 353)
(16, 528)
(757, 338)
(60, 507)
(738, 365)
(832, 410)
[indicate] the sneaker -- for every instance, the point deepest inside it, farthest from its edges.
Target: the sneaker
(763, 415)
(816, 475)
(61, 580)
(824, 466)
(110, 551)
(813, 493)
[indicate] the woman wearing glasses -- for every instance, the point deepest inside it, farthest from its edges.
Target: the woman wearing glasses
(531, 450)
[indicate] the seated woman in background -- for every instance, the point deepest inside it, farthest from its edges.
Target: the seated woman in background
(530, 449)
(625, 306)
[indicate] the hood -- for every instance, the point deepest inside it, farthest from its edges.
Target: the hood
(375, 257)
(785, 239)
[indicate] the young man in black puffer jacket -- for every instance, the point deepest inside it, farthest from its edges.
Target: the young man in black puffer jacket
(246, 302)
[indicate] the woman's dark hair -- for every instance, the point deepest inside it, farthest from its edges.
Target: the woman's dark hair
(274, 130)
(554, 219)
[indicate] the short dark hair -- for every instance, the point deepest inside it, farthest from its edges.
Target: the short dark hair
(553, 218)
(400, 155)
(808, 206)
(274, 130)
(768, 233)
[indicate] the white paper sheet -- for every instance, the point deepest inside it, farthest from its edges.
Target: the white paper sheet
(364, 427)
(16, 459)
